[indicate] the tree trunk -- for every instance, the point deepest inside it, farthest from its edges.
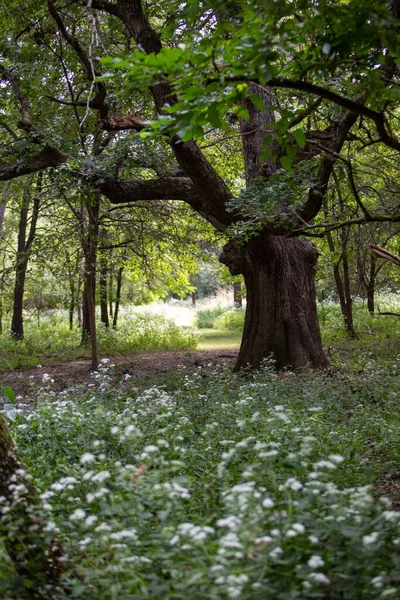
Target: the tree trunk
(91, 309)
(4, 197)
(237, 294)
(36, 555)
(281, 312)
(371, 284)
(17, 321)
(90, 254)
(72, 293)
(343, 283)
(85, 326)
(110, 293)
(23, 253)
(103, 293)
(117, 297)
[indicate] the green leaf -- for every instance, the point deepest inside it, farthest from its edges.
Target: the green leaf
(286, 162)
(264, 155)
(9, 393)
(267, 140)
(291, 152)
(242, 112)
(300, 137)
(258, 102)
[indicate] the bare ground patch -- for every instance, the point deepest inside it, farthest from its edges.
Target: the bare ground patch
(141, 367)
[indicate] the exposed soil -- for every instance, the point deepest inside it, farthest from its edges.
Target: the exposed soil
(141, 367)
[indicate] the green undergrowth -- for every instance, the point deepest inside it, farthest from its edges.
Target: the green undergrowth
(377, 343)
(53, 341)
(218, 339)
(211, 486)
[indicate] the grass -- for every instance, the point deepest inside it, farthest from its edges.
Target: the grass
(218, 339)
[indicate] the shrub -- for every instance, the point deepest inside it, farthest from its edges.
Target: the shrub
(206, 318)
(232, 319)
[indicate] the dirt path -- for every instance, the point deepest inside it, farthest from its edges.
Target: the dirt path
(141, 367)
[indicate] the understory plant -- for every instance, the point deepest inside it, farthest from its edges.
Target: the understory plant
(211, 486)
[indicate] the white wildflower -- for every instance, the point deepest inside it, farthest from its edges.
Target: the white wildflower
(370, 539)
(77, 515)
(231, 522)
(326, 48)
(315, 562)
(86, 458)
(267, 503)
(336, 458)
(319, 578)
(293, 484)
(101, 476)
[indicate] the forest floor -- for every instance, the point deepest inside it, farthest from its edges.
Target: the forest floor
(141, 367)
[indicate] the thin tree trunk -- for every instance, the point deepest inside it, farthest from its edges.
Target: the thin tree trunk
(36, 555)
(117, 297)
(72, 294)
(85, 324)
(103, 293)
(88, 303)
(281, 312)
(110, 292)
(343, 283)
(4, 198)
(91, 307)
(23, 253)
(371, 284)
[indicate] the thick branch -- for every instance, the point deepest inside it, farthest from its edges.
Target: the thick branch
(124, 123)
(210, 186)
(317, 192)
(164, 188)
(352, 105)
(48, 157)
(127, 191)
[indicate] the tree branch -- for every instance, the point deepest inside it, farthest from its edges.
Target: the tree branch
(124, 123)
(385, 254)
(163, 188)
(49, 156)
(13, 81)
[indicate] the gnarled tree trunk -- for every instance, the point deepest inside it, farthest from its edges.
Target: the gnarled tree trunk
(281, 313)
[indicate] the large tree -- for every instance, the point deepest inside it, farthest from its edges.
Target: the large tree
(296, 77)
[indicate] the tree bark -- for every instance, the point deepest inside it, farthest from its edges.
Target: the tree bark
(281, 313)
(90, 252)
(103, 293)
(23, 253)
(36, 555)
(110, 293)
(371, 284)
(117, 297)
(237, 294)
